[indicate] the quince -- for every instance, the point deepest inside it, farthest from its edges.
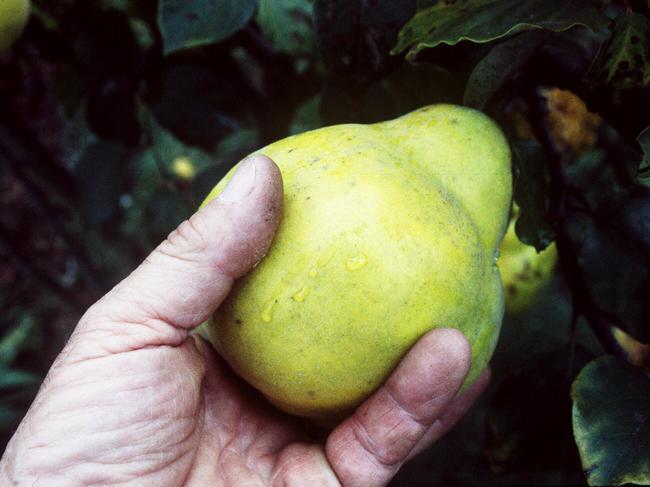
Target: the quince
(388, 231)
(13, 18)
(524, 271)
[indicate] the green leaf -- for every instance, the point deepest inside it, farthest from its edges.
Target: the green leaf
(449, 22)
(611, 422)
(531, 194)
(190, 23)
(614, 255)
(499, 66)
(624, 61)
(288, 24)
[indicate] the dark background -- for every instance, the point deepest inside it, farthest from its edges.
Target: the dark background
(118, 116)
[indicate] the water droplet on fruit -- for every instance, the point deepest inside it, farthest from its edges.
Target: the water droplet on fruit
(322, 260)
(267, 311)
(300, 295)
(357, 262)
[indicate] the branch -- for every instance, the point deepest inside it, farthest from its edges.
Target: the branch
(559, 196)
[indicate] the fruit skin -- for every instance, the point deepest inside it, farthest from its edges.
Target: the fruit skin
(524, 272)
(13, 18)
(388, 231)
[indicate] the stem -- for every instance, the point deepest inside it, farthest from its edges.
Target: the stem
(581, 298)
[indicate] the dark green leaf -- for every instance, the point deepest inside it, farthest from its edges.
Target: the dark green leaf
(644, 142)
(199, 105)
(541, 328)
(449, 22)
(611, 422)
(531, 194)
(289, 24)
(355, 36)
(100, 178)
(624, 62)
(499, 66)
(190, 23)
(614, 253)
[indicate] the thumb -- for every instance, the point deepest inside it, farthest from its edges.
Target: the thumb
(188, 275)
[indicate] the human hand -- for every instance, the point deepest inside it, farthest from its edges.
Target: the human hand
(135, 399)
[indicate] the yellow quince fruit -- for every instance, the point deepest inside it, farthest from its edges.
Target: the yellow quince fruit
(388, 231)
(13, 18)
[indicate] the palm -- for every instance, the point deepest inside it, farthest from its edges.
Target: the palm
(244, 441)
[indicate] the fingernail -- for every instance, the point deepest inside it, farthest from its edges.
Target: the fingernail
(242, 182)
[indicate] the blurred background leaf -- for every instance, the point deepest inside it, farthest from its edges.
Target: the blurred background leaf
(288, 24)
(190, 23)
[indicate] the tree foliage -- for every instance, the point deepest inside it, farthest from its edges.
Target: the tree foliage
(118, 116)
